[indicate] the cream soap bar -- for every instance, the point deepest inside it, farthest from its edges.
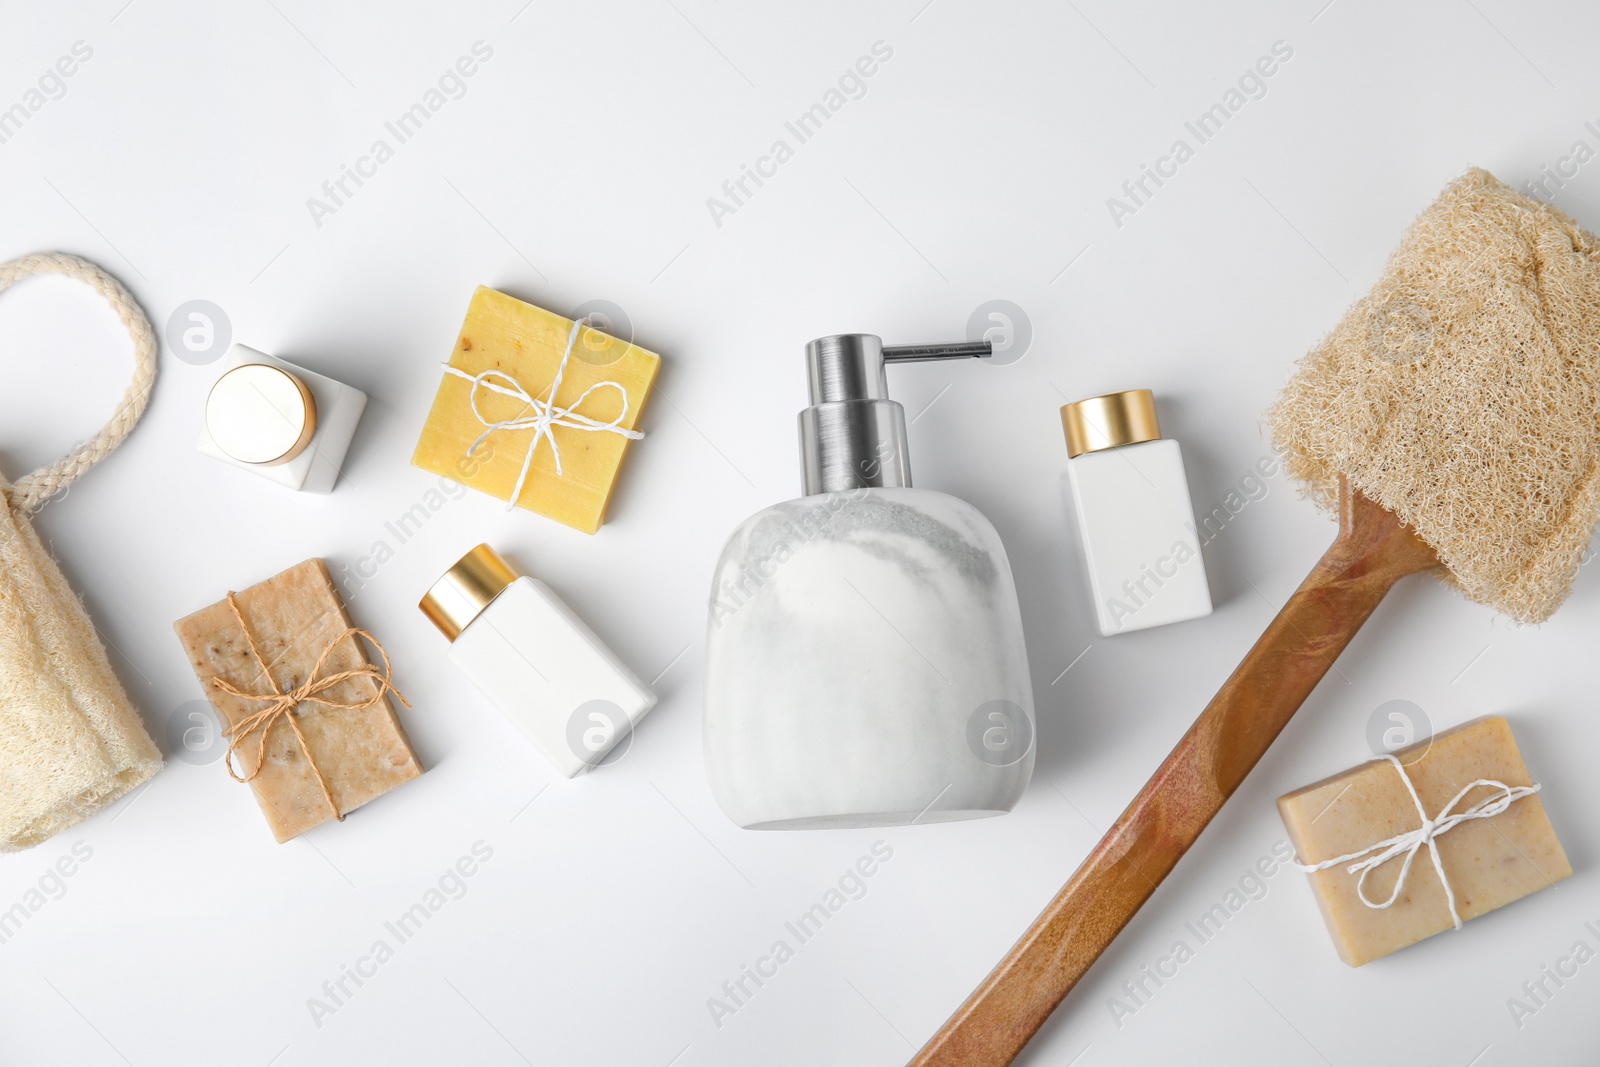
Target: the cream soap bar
(1489, 861)
(293, 617)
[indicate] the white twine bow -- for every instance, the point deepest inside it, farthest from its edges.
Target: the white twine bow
(545, 414)
(1411, 842)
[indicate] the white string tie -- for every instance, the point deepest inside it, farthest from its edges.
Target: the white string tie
(545, 414)
(1412, 841)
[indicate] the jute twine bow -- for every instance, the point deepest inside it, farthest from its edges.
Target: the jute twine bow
(281, 705)
(1412, 841)
(545, 414)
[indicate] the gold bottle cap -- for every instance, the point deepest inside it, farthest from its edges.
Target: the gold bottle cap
(261, 414)
(466, 589)
(1124, 418)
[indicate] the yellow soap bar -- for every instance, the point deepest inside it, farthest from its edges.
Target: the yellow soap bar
(1489, 861)
(525, 343)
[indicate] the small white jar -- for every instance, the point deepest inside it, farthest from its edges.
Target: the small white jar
(282, 422)
(1135, 520)
(536, 661)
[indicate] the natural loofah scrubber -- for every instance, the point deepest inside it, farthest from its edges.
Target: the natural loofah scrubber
(70, 741)
(1463, 394)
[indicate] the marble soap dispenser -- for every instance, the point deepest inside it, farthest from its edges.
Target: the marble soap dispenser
(864, 660)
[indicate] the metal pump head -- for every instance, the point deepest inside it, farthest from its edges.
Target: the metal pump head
(853, 436)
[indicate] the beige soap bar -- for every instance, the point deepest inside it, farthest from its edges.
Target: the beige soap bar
(293, 617)
(1490, 862)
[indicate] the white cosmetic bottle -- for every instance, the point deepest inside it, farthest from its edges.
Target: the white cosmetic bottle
(283, 422)
(536, 661)
(865, 663)
(1135, 520)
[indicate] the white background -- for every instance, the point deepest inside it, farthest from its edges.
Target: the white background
(577, 166)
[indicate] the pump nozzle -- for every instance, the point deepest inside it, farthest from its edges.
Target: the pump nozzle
(929, 353)
(853, 436)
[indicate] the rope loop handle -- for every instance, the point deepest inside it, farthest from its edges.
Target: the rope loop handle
(29, 493)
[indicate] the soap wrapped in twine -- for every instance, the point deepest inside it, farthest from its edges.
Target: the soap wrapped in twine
(1408, 844)
(546, 414)
(281, 705)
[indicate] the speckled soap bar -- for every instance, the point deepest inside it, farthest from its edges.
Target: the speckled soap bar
(1490, 862)
(524, 344)
(293, 617)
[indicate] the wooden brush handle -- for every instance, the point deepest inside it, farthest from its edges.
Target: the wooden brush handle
(1372, 552)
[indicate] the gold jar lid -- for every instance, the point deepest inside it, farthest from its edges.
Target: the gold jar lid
(466, 589)
(261, 414)
(1124, 418)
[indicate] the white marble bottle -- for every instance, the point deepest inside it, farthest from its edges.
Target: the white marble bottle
(865, 656)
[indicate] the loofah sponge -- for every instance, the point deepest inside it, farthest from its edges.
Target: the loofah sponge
(70, 742)
(1463, 394)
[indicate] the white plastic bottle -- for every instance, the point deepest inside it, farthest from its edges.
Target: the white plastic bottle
(1135, 520)
(282, 422)
(865, 663)
(536, 661)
